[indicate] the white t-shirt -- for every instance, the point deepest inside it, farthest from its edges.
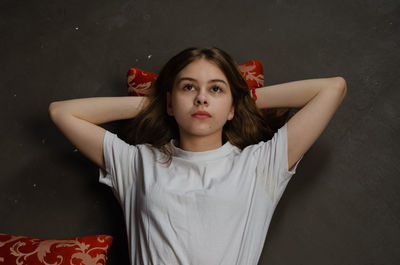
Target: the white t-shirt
(205, 208)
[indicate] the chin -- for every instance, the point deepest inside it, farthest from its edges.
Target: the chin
(206, 133)
(201, 132)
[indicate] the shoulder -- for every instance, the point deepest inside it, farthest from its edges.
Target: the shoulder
(113, 142)
(279, 137)
(113, 137)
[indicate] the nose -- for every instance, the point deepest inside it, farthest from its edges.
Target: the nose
(200, 99)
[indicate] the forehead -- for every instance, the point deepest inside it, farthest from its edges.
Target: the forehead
(202, 70)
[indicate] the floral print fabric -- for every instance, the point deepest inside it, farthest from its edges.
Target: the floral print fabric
(23, 250)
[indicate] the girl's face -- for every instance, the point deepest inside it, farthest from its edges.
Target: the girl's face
(201, 100)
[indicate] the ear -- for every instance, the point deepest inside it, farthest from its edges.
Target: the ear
(231, 113)
(169, 105)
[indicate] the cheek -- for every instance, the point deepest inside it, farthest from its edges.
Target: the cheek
(178, 104)
(230, 109)
(180, 100)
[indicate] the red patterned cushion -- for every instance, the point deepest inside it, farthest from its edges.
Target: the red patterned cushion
(23, 250)
(139, 82)
(253, 73)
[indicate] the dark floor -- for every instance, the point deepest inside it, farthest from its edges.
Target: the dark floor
(342, 206)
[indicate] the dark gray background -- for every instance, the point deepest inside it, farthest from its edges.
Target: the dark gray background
(342, 206)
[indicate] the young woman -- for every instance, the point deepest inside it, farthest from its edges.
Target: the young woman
(202, 173)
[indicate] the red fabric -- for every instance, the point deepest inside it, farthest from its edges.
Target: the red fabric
(253, 73)
(139, 82)
(23, 250)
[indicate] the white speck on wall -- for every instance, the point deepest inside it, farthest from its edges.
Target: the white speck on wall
(15, 95)
(149, 56)
(76, 28)
(137, 60)
(34, 185)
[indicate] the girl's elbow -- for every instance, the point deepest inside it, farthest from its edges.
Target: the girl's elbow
(335, 89)
(339, 84)
(55, 109)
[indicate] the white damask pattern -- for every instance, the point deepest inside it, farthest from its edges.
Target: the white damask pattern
(79, 252)
(249, 74)
(141, 88)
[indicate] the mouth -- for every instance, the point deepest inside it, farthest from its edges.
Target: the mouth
(201, 115)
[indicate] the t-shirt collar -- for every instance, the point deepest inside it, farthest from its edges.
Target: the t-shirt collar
(222, 151)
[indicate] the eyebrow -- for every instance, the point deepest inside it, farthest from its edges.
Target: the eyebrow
(194, 80)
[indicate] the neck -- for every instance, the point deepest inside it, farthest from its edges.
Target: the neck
(200, 143)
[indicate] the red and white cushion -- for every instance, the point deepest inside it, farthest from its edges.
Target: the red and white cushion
(23, 250)
(139, 82)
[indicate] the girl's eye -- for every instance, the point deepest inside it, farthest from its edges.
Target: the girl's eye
(188, 87)
(216, 89)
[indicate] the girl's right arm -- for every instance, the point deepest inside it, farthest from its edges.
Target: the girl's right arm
(78, 120)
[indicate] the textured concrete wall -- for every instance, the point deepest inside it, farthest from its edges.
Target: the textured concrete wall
(342, 206)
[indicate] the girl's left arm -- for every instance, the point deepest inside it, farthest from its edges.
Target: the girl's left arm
(318, 100)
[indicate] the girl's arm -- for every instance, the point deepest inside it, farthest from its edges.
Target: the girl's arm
(78, 120)
(318, 100)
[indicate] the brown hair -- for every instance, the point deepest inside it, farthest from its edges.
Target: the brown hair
(155, 127)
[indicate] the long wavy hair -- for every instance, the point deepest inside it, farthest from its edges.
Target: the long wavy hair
(155, 127)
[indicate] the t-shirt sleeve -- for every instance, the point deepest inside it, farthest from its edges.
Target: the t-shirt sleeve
(119, 158)
(273, 164)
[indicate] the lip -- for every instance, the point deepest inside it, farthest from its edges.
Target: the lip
(201, 115)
